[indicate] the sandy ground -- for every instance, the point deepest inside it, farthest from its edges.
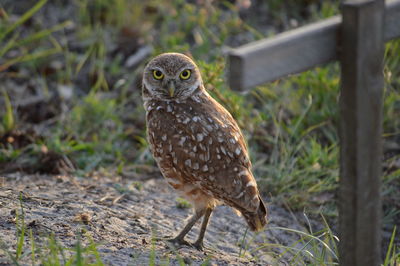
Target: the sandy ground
(122, 216)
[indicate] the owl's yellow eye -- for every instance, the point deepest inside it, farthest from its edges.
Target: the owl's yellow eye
(185, 74)
(157, 74)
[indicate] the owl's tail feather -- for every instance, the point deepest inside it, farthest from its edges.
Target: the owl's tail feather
(256, 220)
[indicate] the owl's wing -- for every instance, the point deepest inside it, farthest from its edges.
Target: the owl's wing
(234, 180)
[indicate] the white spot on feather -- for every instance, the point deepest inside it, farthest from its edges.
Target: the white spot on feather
(251, 184)
(202, 147)
(223, 149)
(173, 181)
(243, 173)
(238, 151)
(181, 141)
(187, 119)
(240, 195)
(200, 137)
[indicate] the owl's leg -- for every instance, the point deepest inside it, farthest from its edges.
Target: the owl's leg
(199, 242)
(179, 239)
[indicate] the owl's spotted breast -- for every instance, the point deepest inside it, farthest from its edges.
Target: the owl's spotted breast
(197, 142)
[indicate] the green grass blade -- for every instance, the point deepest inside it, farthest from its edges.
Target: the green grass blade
(307, 235)
(20, 243)
(42, 34)
(97, 255)
(242, 243)
(8, 118)
(10, 44)
(79, 258)
(152, 257)
(20, 222)
(301, 118)
(28, 57)
(23, 18)
(390, 247)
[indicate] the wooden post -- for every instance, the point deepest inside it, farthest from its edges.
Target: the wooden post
(296, 50)
(361, 57)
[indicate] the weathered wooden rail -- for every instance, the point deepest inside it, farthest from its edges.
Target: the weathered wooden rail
(356, 39)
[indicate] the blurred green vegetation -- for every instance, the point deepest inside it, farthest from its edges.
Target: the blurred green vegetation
(79, 67)
(290, 124)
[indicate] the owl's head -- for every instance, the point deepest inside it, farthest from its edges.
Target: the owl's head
(171, 76)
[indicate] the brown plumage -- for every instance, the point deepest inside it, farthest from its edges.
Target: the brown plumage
(198, 146)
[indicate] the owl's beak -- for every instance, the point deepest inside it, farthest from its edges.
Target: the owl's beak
(171, 88)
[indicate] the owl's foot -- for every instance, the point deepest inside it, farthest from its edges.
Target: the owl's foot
(177, 242)
(198, 245)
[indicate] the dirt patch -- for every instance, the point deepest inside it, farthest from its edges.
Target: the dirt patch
(122, 216)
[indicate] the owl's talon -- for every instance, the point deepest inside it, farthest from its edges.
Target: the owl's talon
(177, 242)
(198, 245)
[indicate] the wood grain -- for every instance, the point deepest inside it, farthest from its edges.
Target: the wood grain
(360, 132)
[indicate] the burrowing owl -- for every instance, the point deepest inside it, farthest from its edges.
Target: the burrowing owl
(198, 146)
